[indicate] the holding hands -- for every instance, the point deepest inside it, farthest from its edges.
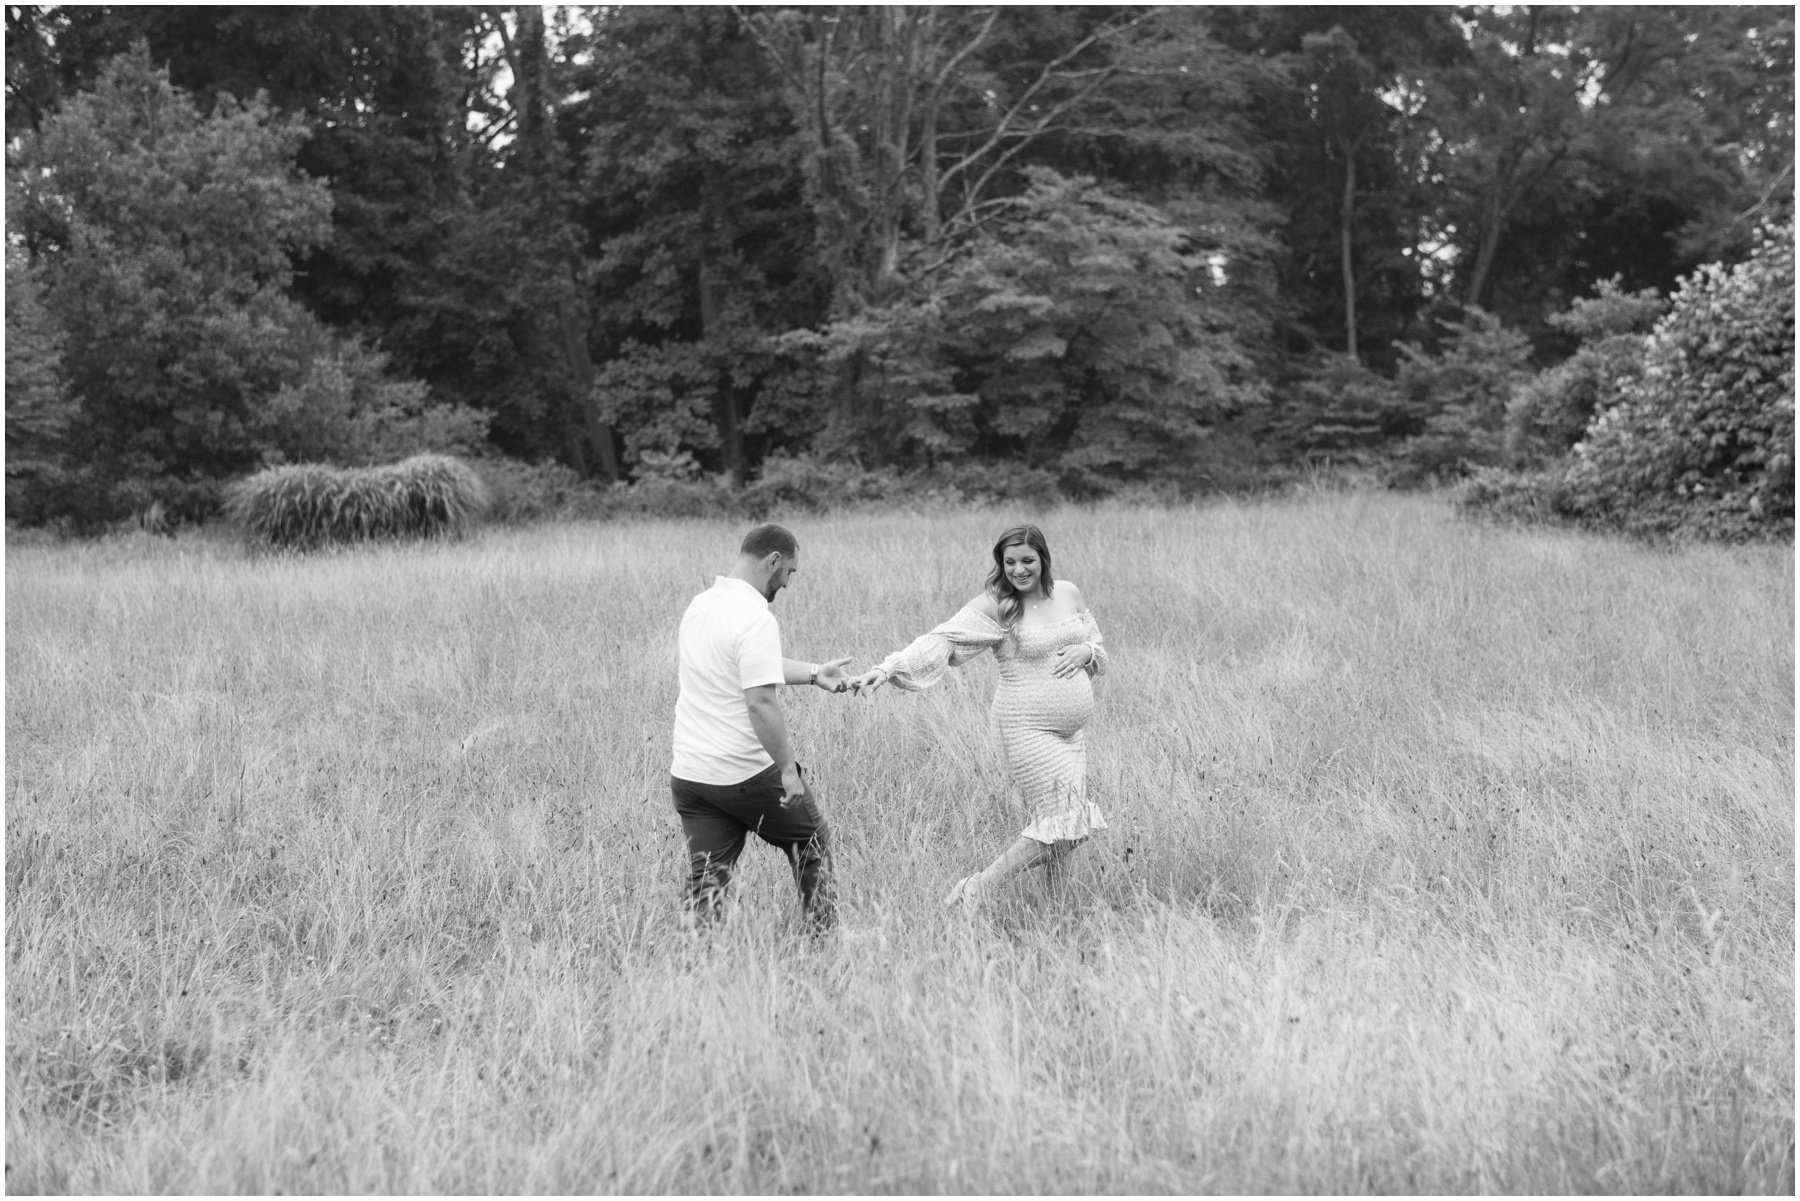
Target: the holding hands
(870, 680)
(834, 676)
(1070, 660)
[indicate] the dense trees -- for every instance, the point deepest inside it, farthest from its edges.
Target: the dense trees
(165, 241)
(1595, 137)
(1110, 243)
(691, 190)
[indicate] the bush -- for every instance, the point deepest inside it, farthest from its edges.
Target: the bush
(521, 493)
(306, 506)
(343, 408)
(1337, 410)
(664, 496)
(1459, 395)
(817, 486)
(961, 481)
(1539, 497)
(671, 485)
(1702, 443)
(1550, 413)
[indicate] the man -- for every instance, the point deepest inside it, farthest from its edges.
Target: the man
(734, 772)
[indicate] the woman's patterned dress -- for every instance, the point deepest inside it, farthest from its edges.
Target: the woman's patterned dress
(1037, 717)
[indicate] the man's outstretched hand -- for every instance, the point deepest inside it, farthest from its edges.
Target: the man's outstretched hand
(833, 676)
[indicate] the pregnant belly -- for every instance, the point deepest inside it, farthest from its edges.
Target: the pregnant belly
(1046, 703)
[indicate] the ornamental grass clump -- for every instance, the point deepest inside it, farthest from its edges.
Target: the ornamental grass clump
(308, 505)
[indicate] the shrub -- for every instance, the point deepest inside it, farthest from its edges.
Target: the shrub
(1703, 442)
(305, 506)
(1459, 396)
(1531, 497)
(664, 496)
(343, 408)
(520, 493)
(1336, 409)
(1550, 413)
(817, 486)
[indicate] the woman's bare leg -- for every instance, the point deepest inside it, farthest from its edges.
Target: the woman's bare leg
(1022, 855)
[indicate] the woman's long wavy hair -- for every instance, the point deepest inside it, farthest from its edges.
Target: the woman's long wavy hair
(1000, 587)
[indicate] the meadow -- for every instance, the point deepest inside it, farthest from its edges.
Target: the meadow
(1444, 858)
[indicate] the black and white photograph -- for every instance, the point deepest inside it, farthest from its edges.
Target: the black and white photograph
(922, 600)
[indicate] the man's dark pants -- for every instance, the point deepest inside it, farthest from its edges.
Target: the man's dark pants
(717, 817)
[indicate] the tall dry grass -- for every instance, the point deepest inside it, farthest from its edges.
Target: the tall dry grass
(1443, 859)
(303, 506)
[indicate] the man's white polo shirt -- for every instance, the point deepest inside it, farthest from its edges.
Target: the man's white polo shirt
(729, 642)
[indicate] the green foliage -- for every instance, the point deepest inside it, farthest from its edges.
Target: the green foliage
(1082, 333)
(951, 158)
(39, 416)
(811, 485)
(521, 493)
(704, 246)
(978, 482)
(164, 239)
(1575, 143)
(345, 409)
(306, 506)
(1073, 240)
(1342, 127)
(1335, 408)
(1550, 413)
(1538, 496)
(1456, 398)
(673, 485)
(1702, 442)
(661, 396)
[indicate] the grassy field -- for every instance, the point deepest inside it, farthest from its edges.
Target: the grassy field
(1443, 859)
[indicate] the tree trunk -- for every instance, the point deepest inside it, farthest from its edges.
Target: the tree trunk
(848, 419)
(542, 168)
(1485, 251)
(897, 32)
(724, 398)
(1511, 186)
(931, 211)
(574, 446)
(1347, 222)
(601, 455)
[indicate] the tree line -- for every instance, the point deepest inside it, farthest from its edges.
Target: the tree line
(1191, 246)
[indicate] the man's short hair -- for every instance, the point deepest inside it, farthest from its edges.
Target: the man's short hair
(765, 540)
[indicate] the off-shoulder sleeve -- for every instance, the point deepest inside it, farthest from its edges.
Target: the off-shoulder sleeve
(1101, 661)
(952, 644)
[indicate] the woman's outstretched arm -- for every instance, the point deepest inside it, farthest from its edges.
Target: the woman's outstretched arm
(974, 629)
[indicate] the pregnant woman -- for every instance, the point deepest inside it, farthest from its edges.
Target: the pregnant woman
(1048, 647)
